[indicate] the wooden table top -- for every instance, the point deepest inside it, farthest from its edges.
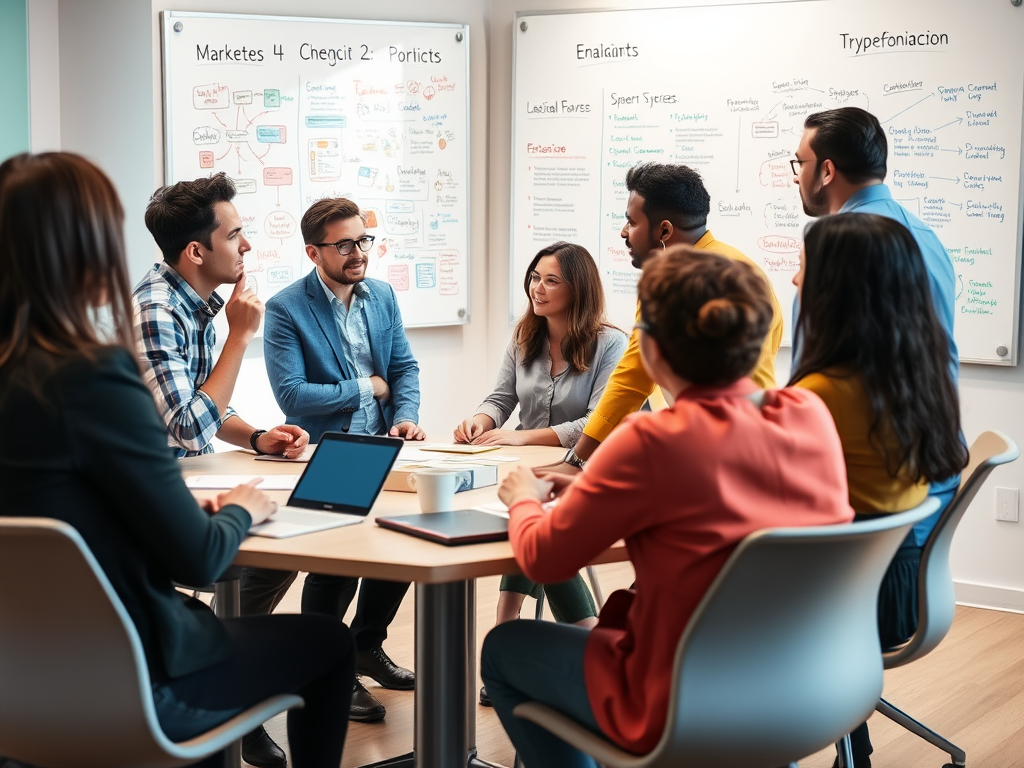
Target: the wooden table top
(367, 549)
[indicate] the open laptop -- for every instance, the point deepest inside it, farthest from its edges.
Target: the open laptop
(338, 487)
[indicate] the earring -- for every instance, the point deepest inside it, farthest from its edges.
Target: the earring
(663, 245)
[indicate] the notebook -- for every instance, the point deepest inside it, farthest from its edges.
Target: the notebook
(463, 526)
(338, 487)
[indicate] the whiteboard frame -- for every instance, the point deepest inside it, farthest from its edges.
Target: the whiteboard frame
(167, 19)
(1014, 351)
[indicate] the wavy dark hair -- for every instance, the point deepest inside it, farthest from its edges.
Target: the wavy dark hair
(585, 317)
(62, 255)
(866, 307)
(708, 314)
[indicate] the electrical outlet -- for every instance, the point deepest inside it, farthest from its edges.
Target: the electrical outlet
(1006, 504)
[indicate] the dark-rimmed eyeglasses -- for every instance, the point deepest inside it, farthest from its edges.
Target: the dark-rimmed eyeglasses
(345, 247)
(795, 164)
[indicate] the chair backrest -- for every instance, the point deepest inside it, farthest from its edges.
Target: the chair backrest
(936, 600)
(782, 656)
(72, 668)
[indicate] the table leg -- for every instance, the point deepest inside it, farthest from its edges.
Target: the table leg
(445, 718)
(227, 597)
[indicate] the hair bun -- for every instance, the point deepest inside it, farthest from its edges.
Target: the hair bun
(721, 318)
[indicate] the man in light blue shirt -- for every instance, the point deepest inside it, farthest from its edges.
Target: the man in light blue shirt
(840, 166)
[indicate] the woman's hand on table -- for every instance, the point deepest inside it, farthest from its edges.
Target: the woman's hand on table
(501, 437)
(521, 483)
(560, 481)
(248, 497)
(473, 428)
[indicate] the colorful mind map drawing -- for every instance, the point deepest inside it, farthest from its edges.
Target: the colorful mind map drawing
(296, 111)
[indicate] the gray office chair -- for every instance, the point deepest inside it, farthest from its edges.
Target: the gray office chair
(935, 597)
(76, 688)
(781, 657)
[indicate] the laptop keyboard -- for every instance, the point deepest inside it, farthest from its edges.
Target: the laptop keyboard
(300, 516)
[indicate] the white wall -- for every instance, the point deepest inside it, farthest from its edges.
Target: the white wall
(109, 109)
(44, 75)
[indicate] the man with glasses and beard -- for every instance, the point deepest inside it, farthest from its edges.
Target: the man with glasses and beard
(338, 360)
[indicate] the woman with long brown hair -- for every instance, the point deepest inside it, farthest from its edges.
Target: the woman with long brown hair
(555, 369)
(87, 447)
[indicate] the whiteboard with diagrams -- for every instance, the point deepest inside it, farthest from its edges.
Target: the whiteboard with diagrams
(725, 89)
(295, 110)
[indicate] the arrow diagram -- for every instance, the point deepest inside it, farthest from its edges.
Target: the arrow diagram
(957, 150)
(958, 205)
(957, 121)
(961, 279)
(944, 178)
(907, 109)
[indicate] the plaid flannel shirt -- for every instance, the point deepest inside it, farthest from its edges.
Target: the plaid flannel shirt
(174, 337)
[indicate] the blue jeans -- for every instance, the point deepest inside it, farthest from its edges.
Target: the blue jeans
(543, 662)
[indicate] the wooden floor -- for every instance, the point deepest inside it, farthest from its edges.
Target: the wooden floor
(971, 690)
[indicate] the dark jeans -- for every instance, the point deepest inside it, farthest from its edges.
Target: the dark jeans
(262, 589)
(543, 662)
(570, 600)
(897, 612)
(312, 656)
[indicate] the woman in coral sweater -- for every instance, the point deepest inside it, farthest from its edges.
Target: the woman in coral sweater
(683, 487)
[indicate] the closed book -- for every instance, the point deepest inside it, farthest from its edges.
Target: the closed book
(469, 477)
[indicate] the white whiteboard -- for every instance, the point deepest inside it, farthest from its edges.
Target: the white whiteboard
(299, 109)
(725, 90)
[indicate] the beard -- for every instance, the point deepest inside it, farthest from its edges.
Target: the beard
(341, 276)
(815, 201)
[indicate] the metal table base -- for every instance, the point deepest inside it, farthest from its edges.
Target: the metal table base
(445, 711)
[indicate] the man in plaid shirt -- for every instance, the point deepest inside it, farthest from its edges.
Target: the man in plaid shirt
(200, 234)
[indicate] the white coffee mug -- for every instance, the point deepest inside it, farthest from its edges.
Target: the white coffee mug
(435, 488)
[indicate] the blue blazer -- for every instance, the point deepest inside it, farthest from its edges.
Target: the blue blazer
(312, 381)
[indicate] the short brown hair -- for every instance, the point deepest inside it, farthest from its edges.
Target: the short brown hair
(182, 213)
(708, 314)
(321, 213)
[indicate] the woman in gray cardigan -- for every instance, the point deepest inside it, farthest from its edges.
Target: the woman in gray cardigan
(555, 369)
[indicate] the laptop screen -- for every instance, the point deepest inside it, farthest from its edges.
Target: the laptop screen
(346, 473)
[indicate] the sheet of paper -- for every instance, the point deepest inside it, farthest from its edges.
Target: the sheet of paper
(271, 483)
(493, 508)
(458, 448)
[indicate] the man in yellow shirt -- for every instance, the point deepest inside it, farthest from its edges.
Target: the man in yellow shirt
(668, 205)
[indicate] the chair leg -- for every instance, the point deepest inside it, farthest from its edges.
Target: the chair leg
(539, 614)
(957, 755)
(595, 586)
(845, 751)
(227, 604)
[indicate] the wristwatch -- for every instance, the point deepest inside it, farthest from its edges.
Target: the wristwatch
(573, 460)
(254, 437)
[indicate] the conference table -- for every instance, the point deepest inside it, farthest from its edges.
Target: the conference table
(444, 578)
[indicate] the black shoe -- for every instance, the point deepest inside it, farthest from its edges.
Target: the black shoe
(377, 666)
(365, 707)
(485, 700)
(260, 750)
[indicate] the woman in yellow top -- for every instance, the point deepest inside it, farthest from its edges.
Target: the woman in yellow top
(872, 347)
